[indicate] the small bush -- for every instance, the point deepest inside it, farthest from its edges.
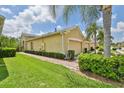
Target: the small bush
(7, 52)
(112, 68)
(114, 49)
(71, 54)
(47, 54)
(100, 49)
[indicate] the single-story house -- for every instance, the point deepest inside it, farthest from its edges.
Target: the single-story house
(58, 41)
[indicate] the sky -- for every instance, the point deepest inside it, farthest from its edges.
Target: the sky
(38, 20)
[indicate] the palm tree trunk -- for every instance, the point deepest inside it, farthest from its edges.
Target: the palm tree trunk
(107, 30)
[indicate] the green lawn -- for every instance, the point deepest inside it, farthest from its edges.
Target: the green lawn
(24, 71)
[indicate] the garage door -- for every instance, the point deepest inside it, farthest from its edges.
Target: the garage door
(75, 45)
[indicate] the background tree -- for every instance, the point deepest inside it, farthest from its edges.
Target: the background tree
(2, 18)
(100, 36)
(91, 32)
(9, 42)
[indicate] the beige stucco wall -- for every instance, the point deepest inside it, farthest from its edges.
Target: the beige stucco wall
(74, 33)
(74, 45)
(23, 44)
(54, 42)
(51, 43)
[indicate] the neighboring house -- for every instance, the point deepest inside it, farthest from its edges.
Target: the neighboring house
(59, 41)
(24, 37)
(120, 44)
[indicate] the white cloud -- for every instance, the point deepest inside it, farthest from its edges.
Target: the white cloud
(41, 33)
(59, 27)
(6, 10)
(100, 20)
(119, 27)
(84, 33)
(114, 16)
(23, 21)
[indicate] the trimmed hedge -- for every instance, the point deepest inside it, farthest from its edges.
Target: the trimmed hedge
(112, 68)
(7, 52)
(47, 54)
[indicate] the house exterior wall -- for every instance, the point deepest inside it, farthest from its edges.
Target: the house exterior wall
(74, 33)
(50, 44)
(77, 46)
(53, 43)
(72, 39)
(23, 44)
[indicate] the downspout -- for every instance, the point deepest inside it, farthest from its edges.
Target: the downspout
(62, 43)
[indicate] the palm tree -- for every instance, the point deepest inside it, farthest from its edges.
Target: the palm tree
(89, 15)
(107, 13)
(100, 36)
(91, 32)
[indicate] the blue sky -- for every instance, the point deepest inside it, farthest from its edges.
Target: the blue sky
(38, 20)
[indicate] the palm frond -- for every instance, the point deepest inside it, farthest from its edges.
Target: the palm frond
(89, 14)
(91, 30)
(68, 10)
(52, 9)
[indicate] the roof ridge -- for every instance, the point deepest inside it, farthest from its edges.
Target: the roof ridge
(55, 32)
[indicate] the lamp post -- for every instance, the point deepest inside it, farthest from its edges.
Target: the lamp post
(2, 18)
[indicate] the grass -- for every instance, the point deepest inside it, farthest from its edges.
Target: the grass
(24, 71)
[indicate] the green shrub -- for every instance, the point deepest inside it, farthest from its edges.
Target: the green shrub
(112, 68)
(71, 54)
(114, 48)
(100, 49)
(47, 54)
(7, 52)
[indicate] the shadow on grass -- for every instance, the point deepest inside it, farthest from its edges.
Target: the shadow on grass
(3, 70)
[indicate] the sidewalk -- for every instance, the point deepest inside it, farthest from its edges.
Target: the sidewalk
(120, 51)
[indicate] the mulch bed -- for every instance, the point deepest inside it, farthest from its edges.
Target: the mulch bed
(103, 79)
